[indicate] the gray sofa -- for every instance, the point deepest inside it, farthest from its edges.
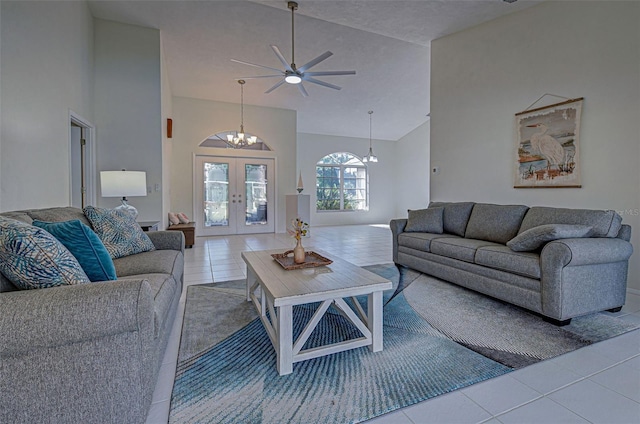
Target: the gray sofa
(89, 353)
(472, 245)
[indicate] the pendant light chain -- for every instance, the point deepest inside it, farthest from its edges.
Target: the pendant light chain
(241, 105)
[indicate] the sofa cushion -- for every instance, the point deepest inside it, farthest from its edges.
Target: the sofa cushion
(455, 217)
(119, 231)
(605, 223)
(32, 258)
(21, 216)
(85, 245)
(153, 262)
(497, 223)
(534, 238)
(58, 214)
(463, 249)
(505, 259)
(420, 241)
(425, 221)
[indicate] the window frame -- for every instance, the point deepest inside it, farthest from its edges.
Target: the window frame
(352, 162)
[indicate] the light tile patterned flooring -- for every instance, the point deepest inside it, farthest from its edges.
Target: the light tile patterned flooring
(596, 384)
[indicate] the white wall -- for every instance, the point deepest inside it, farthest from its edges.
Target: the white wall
(412, 171)
(128, 115)
(167, 143)
(195, 120)
(483, 76)
(382, 192)
(47, 70)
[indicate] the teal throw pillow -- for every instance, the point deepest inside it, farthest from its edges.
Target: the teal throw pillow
(85, 245)
(32, 258)
(119, 231)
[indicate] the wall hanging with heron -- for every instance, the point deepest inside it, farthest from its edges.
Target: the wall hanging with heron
(548, 140)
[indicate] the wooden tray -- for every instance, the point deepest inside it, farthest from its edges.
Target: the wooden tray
(311, 259)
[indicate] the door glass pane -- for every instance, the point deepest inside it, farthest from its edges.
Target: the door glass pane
(216, 194)
(255, 177)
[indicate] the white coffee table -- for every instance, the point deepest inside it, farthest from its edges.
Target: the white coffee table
(276, 290)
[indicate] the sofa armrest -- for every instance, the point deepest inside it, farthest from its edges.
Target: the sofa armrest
(167, 240)
(397, 226)
(43, 318)
(582, 276)
(586, 251)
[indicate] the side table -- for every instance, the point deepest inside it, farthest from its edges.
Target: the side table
(149, 225)
(188, 230)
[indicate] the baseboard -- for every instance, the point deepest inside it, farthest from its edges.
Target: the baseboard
(633, 291)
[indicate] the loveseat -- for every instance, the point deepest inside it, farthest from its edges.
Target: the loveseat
(557, 262)
(89, 353)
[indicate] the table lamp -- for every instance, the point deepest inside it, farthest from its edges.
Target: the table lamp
(122, 184)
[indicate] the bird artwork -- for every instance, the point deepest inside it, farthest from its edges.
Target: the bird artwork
(548, 147)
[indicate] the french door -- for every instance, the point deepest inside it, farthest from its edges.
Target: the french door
(234, 195)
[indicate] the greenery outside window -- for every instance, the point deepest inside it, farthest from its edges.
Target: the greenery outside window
(341, 183)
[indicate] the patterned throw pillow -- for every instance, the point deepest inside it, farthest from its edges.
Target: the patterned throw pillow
(119, 231)
(85, 245)
(32, 258)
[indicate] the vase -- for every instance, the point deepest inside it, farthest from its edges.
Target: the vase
(298, 253)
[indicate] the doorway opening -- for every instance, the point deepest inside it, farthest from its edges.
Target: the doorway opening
(82, 175)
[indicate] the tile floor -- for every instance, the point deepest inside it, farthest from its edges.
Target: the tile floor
(596, 384)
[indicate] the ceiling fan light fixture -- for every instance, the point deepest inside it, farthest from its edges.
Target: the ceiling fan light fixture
(293, 79)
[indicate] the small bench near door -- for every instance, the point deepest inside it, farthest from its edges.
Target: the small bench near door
(188, 230)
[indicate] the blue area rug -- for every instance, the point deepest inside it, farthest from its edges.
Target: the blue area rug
(438, 337)
(236, 380)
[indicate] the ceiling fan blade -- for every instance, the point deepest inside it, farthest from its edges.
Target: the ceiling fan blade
(315, 61)
(324, 84)
(325, 73)
(259, 76)
(278, 84)
(257, 66)
(302, 90)
(276, 50)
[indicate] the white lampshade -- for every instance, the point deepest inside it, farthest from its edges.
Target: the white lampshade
(123, 183)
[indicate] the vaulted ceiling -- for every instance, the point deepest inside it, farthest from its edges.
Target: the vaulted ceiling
(387, 43)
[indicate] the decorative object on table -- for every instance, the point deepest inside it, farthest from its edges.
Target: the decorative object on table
(173, 219)
(370, 157)
(311, 259)
(123, 184)
(298, 229)
(300, 185)
(183, 218)
(548, 145)
(241, 139)
(293, 75)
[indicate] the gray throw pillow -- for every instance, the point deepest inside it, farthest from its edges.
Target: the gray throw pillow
(536, 237)
(425, 221)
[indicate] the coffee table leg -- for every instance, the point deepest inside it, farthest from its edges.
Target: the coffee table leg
(374, 318)
(284, 335)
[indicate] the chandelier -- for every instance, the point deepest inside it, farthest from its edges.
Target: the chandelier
(370, 157)
(240, 139)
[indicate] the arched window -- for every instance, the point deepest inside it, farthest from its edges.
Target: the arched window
(341, 183)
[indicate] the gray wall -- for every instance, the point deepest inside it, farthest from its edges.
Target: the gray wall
(128, 115)
(482, 76)
(47, 71)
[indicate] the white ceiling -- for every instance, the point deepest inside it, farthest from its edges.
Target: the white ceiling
(385, 41)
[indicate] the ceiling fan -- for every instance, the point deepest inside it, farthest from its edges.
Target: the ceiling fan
(293, 74)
